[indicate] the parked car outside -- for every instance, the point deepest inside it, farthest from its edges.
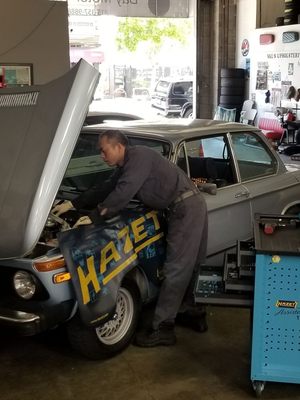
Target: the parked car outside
(171, 94)
(37, 293)
(141, 94)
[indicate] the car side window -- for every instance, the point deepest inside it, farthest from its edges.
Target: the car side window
(254, 158)
(182, 88)
(208, 159)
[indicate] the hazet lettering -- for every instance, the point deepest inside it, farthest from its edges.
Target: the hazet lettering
(138, 229)
(124, 233)
(286, 304)
(153, 215)
(89, 278)
(106, 258)
(114, 258)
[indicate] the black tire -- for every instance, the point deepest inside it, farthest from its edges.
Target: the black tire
(290, 19)
(238, 107)
(188, 113)
(233, 73)
(288, 3)
(232, 91)
(232, 82)
(291, 8)
(231, 100)
(115, 335)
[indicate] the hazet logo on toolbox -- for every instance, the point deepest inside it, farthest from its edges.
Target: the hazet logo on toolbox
(286, 304)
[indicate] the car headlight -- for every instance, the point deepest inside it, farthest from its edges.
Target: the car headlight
(24, 284)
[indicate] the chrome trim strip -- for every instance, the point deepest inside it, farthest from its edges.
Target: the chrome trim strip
(18, 317)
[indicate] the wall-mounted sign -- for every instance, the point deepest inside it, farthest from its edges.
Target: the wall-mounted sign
(266, 38)
(245, 47)
(130, 8)
(289, 37)
(14, 75)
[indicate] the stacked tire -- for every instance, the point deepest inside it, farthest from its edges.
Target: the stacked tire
(291, 12)
(232, 89)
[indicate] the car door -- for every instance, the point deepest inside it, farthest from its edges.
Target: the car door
(270, 185)
(229, 209)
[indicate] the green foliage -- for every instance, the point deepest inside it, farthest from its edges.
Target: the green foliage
(132, 31)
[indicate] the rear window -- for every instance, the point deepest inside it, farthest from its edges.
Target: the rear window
(183, 88)
(162, 86)
(86, 167)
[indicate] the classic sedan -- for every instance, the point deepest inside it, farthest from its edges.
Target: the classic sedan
(37, 289)
(248, 173)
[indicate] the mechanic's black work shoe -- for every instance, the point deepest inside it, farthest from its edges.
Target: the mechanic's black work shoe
(163, 336)
(195, 321)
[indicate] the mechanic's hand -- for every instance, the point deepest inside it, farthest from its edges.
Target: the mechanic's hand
(82, 221)
(62, 208)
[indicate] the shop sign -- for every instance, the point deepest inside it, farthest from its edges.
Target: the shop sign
(130, 8)
(245, 47)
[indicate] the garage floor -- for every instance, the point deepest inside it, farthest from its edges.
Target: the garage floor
(213, 365)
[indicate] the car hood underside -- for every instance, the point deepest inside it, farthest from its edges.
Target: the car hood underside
(39, 128)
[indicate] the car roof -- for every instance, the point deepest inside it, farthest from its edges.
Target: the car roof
(99, 117)
(172, 130)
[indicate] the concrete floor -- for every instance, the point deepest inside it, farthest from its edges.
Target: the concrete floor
(214, 365)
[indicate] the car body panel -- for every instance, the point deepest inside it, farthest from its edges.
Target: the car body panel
(47, 119)
(231, 203)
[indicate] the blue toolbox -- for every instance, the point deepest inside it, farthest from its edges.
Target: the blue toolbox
(276, 319)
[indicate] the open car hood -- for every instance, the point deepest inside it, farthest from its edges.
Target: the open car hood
(39, 128)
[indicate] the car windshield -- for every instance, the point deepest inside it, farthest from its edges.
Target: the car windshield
(86, 168)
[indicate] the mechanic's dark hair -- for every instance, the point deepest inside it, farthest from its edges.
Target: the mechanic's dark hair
(114, 136)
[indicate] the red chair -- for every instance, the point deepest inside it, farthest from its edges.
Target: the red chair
(271, 128)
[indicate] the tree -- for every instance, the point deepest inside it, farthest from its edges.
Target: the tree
(133, 31)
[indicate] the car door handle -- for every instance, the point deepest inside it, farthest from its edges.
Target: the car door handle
(241, 194)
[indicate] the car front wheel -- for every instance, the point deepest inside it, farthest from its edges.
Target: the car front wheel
(115, 335)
